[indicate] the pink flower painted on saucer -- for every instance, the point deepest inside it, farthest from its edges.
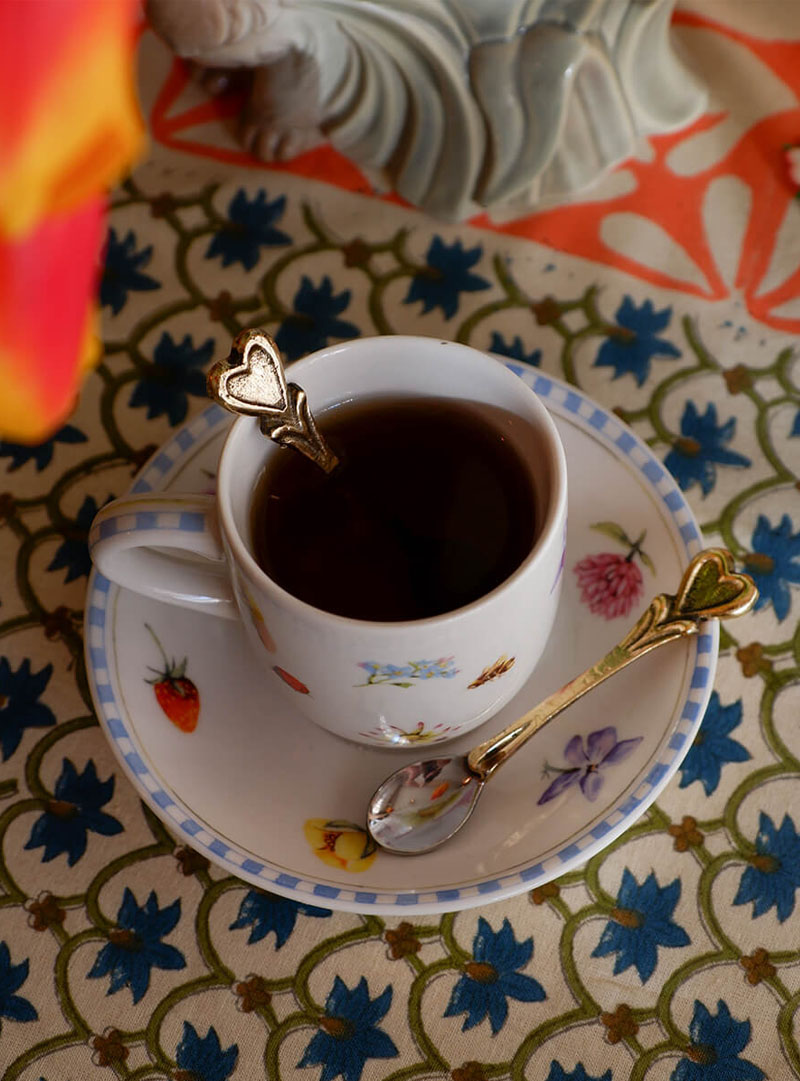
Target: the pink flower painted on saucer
(406, 675)
(587, 764)
(611, 583)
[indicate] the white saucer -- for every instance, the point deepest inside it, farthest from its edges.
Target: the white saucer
(266, 794)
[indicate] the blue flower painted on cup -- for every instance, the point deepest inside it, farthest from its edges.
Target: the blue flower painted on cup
(202, 1058)
(134, 946)
(123, 273)
(404, 675)
(264, 912)
(632, 344)
(492, 977)
(446, 275)
(20, 707)
(713, 747)
(349, 1033)
(773, 877)
(774, 563)
(42, 453)
(640, 922)
(249, 228)
(175, 373)
(588, 763)
(314, 320)
(701, 447)
(73, 812)
(13, 1007)
(717, 1042)
(515, 350)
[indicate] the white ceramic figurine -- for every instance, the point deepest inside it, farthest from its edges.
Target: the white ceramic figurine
(457, 105)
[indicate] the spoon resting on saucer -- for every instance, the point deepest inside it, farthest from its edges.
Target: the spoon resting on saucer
(422, 805)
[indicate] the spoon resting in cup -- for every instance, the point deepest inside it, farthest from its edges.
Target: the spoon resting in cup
(424, 804)
(251, 382)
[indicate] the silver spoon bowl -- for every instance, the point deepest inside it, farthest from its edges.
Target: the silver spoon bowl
(422, 805)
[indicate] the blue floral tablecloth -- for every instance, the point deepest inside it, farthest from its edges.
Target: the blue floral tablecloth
(671, 295)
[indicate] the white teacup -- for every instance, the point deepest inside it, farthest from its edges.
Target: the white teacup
(455, 670)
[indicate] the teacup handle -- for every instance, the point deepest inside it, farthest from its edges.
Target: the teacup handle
(129, 542)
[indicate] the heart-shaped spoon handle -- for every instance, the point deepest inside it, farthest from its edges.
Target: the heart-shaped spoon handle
(710, 588)
(251, 381)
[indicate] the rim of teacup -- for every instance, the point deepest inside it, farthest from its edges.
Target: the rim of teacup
(556, 506)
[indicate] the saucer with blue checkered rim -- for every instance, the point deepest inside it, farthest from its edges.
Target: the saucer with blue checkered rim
(247, 785)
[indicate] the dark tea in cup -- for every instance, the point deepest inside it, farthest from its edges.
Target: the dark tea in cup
(431, 507)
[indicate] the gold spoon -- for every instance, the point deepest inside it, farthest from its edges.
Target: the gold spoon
(422, 805)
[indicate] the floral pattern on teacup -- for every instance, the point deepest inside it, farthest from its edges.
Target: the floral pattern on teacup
(612, 583)
(261, 628)
(290, 680)
(405, 675)
(340, 844)
(502, 665)
(399, 737)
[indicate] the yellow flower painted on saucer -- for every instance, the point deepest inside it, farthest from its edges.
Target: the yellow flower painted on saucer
(340, 844)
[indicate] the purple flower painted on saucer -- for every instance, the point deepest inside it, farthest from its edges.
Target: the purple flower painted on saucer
(586, 764)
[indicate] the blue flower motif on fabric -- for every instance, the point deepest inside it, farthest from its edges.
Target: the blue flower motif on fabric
(641, 922)
(203, 1058)
(631, 346)
(701, 447)
(20, 707)
(72, 554)
(314, 320)
(492, 978)
(558, 1073)
(122, 272)
(774, 563)
(13, 1006)
(250, 227)
(73, 811)
(796, 425)
(712, 746)
(42, 454)
(717, 1041)
(774, 872)
(264, 912)
(176, 371)
(445, 276)
(349, 1033)
(515, 349)
(135, 946)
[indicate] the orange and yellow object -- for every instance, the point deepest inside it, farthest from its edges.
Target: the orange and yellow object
(69, 127)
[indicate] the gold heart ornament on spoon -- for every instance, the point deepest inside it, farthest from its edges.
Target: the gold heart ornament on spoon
(251, 382)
